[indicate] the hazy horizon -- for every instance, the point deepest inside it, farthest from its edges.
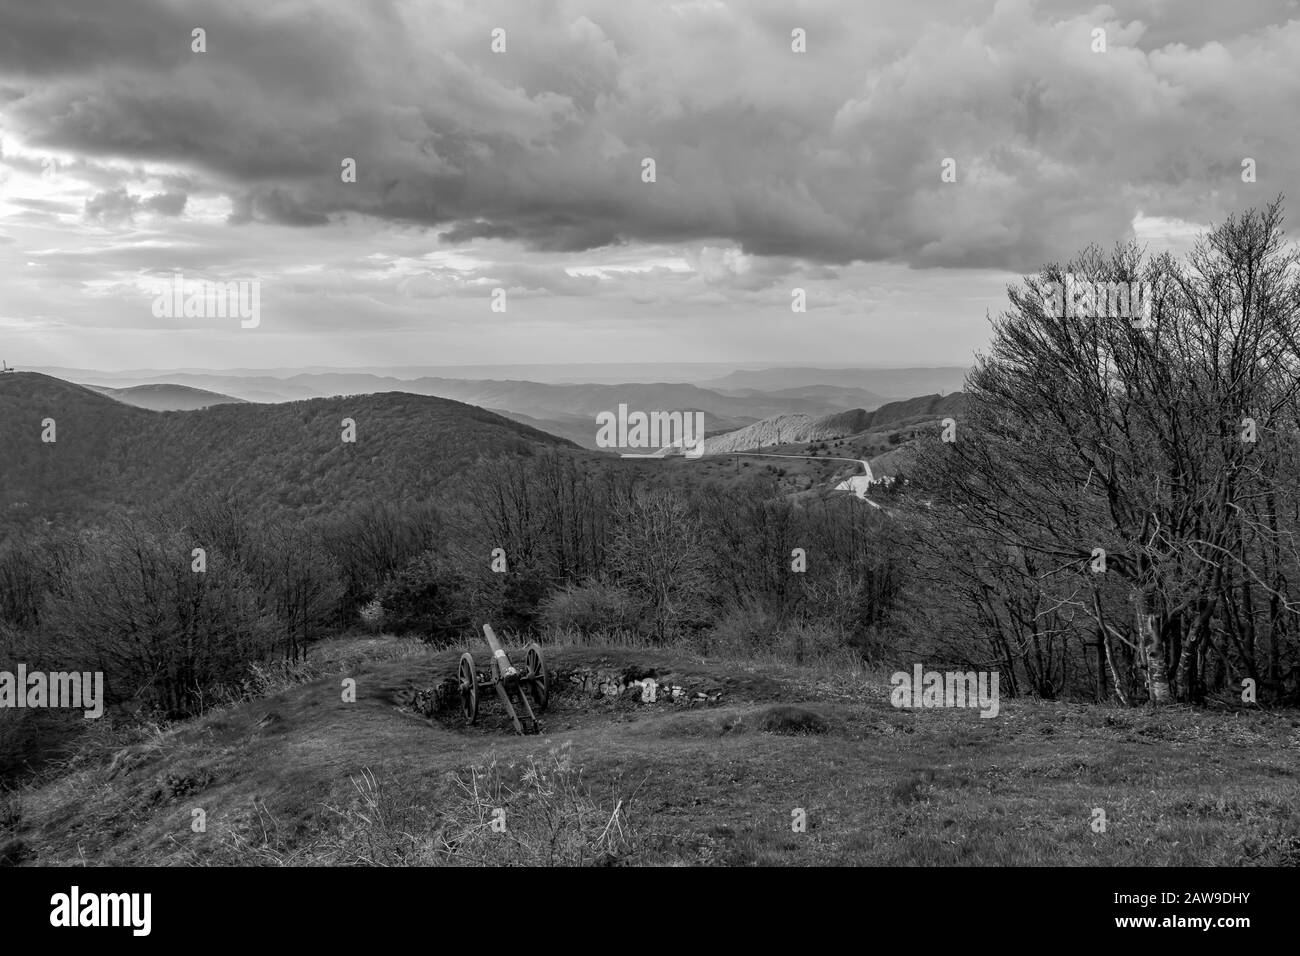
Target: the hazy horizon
(716, 369)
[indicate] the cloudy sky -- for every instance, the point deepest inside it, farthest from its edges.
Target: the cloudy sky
(128, 157)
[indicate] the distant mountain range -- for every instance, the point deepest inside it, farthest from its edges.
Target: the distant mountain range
(840, 395)
(111, 453)
(566, 409)
(539, 400)
(891, 382)
(165, 397)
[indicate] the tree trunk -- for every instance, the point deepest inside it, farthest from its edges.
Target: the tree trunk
(1101, 665)
(1149, 631)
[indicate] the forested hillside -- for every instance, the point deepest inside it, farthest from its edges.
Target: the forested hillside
(288, 458)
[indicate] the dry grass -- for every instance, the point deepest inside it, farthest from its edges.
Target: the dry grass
(302, 777)
(540, 813)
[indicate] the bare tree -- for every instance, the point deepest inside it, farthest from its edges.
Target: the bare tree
(657, 550)
(1159, 451)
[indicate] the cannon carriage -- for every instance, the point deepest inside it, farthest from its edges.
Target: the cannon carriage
(529, 687)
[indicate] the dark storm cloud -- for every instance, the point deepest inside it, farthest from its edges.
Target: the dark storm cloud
(274, 205)
(117, 205)
(113, 206)
(166, 204)
(830, 156)
(56, 37)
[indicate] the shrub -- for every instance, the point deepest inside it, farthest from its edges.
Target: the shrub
(132, 607)
(744, 630)
(32, 739)
(590, 608)
(29, 568)
(792, 720)
(425, 598)
(751, 631)
(372, 616)
(657, 552)
(373, 542)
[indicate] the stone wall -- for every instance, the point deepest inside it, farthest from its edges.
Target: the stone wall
(639, 685)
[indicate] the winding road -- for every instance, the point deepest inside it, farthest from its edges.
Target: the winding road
(858, 484)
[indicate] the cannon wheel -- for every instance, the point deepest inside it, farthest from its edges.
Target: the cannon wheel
(468, 679)
(540, 687)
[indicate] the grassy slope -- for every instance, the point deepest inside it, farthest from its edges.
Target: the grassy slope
(882, 786)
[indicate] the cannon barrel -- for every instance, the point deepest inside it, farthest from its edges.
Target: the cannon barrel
(504, 667)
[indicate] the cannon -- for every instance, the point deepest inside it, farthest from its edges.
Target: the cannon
(530, 687)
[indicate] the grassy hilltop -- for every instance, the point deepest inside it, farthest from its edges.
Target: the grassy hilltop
(300, 777)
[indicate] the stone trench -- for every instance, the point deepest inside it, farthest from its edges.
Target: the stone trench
(638, 685)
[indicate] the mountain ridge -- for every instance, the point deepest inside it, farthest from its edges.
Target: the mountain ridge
(165, 397)
(288, 457)
(791, 429)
